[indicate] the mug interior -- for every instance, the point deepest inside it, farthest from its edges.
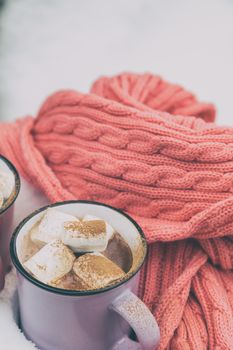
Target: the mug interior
(7, 167)
(120, 221)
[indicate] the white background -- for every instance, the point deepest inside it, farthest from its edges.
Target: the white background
(46, 45)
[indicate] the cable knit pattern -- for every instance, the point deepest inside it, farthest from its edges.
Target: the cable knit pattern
(150, 148)
(147, 91)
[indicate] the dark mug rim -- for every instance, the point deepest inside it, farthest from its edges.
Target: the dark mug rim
(19, 267)
(17, 184)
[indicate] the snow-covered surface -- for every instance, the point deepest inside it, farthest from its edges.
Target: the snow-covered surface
(11, 338)
(48, 45)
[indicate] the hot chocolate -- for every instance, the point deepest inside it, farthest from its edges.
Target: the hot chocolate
(119, 252)
(73, 253)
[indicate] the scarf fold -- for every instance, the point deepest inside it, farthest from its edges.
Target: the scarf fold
(150, 148)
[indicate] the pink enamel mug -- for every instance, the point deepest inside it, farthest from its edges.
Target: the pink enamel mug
(103, 319)
(6, 217)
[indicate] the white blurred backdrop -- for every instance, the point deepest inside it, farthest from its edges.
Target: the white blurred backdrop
(49, 45)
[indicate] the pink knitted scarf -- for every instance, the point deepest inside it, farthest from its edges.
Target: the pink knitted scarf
(150, 148)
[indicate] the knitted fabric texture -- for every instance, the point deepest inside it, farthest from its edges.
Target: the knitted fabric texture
(150, 148)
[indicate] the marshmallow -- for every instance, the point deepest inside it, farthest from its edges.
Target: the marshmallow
(109, 229)
(6, 184)
(85, 236)
(70, 281)
(51, 262)
(1, 200)
(50, 227)
(97, 271)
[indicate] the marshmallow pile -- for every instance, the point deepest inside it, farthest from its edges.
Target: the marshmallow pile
(71, 252)
(6, 186)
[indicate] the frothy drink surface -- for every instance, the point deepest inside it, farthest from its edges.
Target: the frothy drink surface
(66, 252)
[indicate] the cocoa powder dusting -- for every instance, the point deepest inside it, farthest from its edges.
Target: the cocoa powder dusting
(96, 271)
(70, 282)
(86, 228)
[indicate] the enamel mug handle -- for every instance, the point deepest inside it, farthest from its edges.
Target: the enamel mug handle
(136, 313)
